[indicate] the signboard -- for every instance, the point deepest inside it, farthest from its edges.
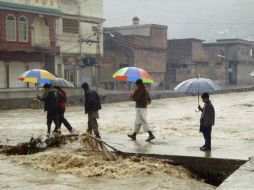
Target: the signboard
(52, 4)
(31, 5)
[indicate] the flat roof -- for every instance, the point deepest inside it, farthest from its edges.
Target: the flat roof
(131, 27)
(187, 39)
(229, 41)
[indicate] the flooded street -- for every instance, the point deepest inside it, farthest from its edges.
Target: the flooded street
(14, 176)
(69, 169)
(167, 117)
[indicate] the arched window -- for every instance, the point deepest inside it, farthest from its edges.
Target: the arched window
(23, 29)
(10, 28)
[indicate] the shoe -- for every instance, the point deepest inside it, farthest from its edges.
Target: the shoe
(57, 132)
(202, 147)
(132, 136)
(205, 148)
(73, 131)
(151, 137)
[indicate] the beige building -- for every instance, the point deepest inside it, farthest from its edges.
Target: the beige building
(185, 59)
(235, 59)
(139, 45)
(79, 35)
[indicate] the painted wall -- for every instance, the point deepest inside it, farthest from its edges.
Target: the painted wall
(3, 82)
(243, 71)
(41, 32)
(89, 8)
(69, 43)
(51, 4)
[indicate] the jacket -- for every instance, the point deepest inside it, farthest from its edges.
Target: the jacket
(92, 101)
(62, 100)
(51, 100)
(141, 97)
(208, 115)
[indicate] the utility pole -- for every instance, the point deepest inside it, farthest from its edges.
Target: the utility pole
(96, 67)
(98, 55)
(80, 33)
(78, 71)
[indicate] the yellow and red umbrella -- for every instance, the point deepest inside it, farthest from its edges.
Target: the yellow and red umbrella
(38, 76)
(132, 74)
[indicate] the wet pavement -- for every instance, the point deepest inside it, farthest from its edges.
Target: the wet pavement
(222, 149)
(183, 146)
(241, 179)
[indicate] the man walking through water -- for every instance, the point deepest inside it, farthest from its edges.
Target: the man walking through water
(51, 103)
(142, 99)
(206, 121)
(92, 106)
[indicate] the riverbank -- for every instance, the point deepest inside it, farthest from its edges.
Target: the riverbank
(26, 98)
(168, 118)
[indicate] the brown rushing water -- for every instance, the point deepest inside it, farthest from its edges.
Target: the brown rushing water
(70, 170)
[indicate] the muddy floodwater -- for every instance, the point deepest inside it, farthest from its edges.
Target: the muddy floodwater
(67, 168)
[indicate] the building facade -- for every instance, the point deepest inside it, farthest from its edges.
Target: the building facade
(79, 34)
(236, 58)
(142, 46)
(185, 59)
(27, 38)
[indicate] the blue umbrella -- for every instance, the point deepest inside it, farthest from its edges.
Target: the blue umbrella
(197, 86)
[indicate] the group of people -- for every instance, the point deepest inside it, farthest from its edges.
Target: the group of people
(92, 105)
(54, 99)
(142, 99)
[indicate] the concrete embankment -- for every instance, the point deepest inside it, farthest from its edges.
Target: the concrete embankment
(212, 167)
(26, 98)
(241, 179)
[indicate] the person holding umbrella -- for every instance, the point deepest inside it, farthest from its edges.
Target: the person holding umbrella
(206, 121)
(142, 99)
(51, 105)
(92, 106)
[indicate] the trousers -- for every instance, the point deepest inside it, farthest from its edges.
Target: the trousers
(141, 114)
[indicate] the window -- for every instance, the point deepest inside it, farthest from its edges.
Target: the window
(23, 29)
(10, 28)
(71, 26)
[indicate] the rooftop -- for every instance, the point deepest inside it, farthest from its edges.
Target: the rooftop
(139, 26)
(187, 39)
(230, 42)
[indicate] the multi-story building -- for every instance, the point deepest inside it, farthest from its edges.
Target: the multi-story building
(79, 36)
(27, 38)
(142, 46)
(234, 57)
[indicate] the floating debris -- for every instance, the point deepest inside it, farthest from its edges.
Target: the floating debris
(35, 145)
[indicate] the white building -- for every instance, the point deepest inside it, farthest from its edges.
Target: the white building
(81, 19)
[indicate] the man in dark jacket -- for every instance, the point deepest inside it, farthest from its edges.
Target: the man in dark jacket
(206, 121)
(92, 106)
(51, 103)
(142, 99)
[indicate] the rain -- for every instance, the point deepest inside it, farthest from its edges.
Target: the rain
(114, 94)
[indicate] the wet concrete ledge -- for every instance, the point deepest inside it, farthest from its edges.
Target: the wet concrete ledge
(211, 170)
(242, 179)
(213, 167)
(25, 98)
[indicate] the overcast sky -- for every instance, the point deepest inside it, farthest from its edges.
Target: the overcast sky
(205, 19)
